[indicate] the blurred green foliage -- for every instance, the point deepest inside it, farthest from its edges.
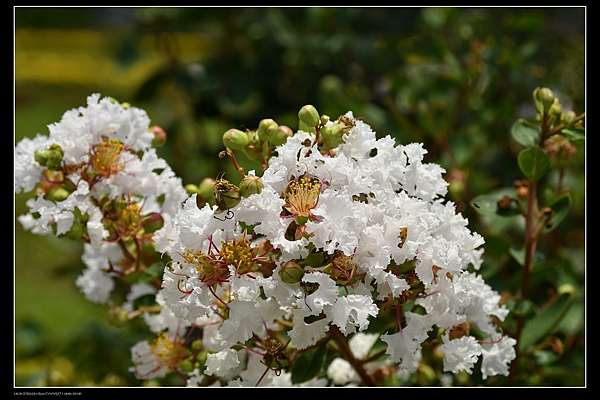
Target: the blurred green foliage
(454, 79)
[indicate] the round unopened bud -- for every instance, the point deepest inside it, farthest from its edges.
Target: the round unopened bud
(235, 139)
(281, 135)
(227, 195)
(309, 115)
(206, 190)
(201, 359)
(160, 136)
(186, 366)
(51, 157)
(250, 185)
(291, 272)
(57, 193)
(54, 160)
(197, 345)
(41, 156)
(266, 128)
(332, 135)
(555, 109)
(153, 222)
(545, 97)
(567, 117)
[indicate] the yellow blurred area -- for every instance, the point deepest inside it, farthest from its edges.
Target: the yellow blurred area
(87, 57)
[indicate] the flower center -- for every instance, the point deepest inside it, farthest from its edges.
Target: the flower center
(302, 195)
(239, 254)
(169, 352)
(124, 218)
(105, 156)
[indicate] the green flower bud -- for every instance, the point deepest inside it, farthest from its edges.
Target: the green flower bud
(266, 129)
(306, 128)
(332, 135)
(201, 359)
(235, 139)
(568, 117)
(555, 109)
(281, 135)
(206, 191)
(191, 188)
(544, 98)
(186, 366)
(197, 345)
(51, 157)
(41, 156)
(160, 136)
(126, 105)
(309, 115)
(250, 185)
(57, 193)
(227, 195)
(291, 272)
(152, 222)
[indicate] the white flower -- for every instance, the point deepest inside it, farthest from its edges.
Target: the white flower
(497, 357)
(222, 364)
(341, 372)
(304, 335)
(353, 311)
(460, 354)
(326, 294)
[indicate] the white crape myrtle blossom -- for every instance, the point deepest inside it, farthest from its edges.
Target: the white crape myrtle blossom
(329, 239)
(101, 155)
(364, 207)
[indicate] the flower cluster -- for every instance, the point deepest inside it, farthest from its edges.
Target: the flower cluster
(338, 230)
(98, 179)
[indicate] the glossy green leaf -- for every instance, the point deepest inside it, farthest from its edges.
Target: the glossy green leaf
(309, 364)
(560, 209)
(546, 321)
(574, 321)
(574, 135)
(533, 162)
(487, 204)
(525, 133)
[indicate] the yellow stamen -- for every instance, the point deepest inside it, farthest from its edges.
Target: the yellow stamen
(302, 195)
(239, 254)
(105, 156)
(169, 352)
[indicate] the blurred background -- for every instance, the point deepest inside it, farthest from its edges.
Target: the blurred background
(454, 79)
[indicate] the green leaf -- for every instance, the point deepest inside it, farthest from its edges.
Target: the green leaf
(573, 322)
(487, 204)
(309, 364)
(525, 133)
(546, 321)
(155, 269)
(560, 209)
(314, 260)
(534, 163)
(574, 135)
